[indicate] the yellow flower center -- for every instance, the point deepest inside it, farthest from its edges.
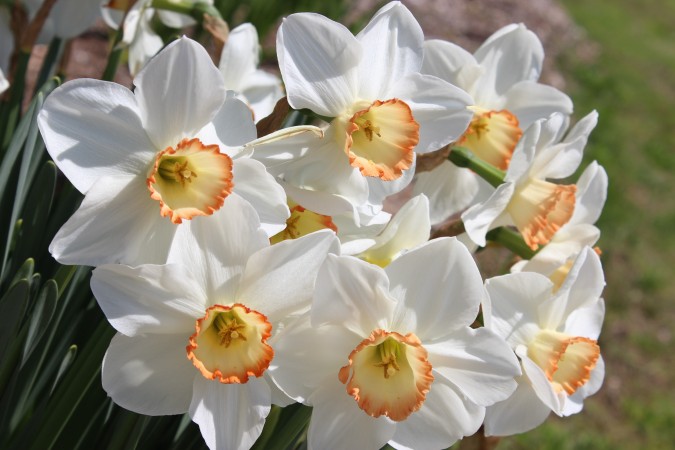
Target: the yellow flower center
(567, 361)
(492, 136)
(230, 344)
(380, 138)
(539, 209)
(388, 374)
(191, 180)
(302, 222)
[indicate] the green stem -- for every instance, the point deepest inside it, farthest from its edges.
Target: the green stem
(48, 63)
(115, 56)
(511, 240)
(463, 157)
(194, 10)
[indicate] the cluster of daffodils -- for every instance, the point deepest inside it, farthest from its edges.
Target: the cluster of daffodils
(244, 270)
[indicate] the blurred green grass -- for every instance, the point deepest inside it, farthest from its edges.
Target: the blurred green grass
(629, 77)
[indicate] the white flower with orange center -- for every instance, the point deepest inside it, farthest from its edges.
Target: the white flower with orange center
(556, 338)
(501, 76)
(239, 67)
(537, 207)
(194, 334)
(153, 160)
(381, 109)
(556, 258)
(392, 355)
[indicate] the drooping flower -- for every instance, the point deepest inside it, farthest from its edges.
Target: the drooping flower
(239, 67)
(194, 334)
(167, 154)
(392, 357)
(537, 207)
(554, 335)
(381, 109)
(557, 257)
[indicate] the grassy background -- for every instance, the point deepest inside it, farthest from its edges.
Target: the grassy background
(631, 82)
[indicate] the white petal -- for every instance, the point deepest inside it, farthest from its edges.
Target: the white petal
(116, 222)
(449, 188)
(352, 293)
(144, 42)
(441, 299)
(582, 287)
(306, 358)
(231, 128)
(392, 48)
(179, 92)
(239, 57)
(4, 84)
(510, 55)
(438, 107)
(217, 247)
(565, 244)
(72, 17)
(149, 374)
(445, 416)
(575, 402)
(174, 20)
(262, 91)
(530, 101)
(511, 308)
(279, 280)
(524, 154)
(479, 219)
(148, 299)
(286, 145)
(449, 62)
(537, 378)
(478, 362)
(591, 194)
(586, 321)
(326, 169)
(260, 189)
(93, 128)
(230, 416)
(408, 228)
(521, 412)
(317, 201)
(379, 190)
(318, 59)
(337, 423)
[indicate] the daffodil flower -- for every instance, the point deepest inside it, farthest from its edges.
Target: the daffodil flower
(501, 76)
(554, 335)
(537, 207)
(153, 160)
(382, 110)
(194, 334)
(239, 67)
(557, 257)
(388, 355)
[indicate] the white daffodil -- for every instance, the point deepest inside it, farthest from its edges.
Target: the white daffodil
(239, 66)
(555, 337)
(67, 18)
(382, 109)
(152, 159)
(557, 257)
(193, 335)
(501, 76)
(538, 208)
(392, 357)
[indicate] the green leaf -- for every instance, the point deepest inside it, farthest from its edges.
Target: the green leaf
(66, 362)
(12, 310)
(40, 317)
(35, 214)
(25, 272)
